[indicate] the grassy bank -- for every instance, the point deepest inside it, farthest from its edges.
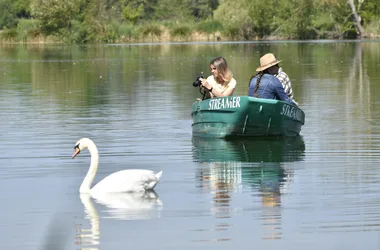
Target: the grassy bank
(28, 31)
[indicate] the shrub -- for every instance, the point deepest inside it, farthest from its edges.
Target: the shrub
(112, 32)
(9, 34)
(27, 28)
(210, 27)
(234, 33)
(128, 32)
(181, 32)
(151, 30)
(373, 28)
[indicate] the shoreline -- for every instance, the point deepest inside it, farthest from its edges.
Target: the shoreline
(144, 43)
(194, 38)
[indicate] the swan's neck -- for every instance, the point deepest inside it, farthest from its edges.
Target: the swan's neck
(87, 181)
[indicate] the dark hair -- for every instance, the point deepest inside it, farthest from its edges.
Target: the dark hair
(260, 74)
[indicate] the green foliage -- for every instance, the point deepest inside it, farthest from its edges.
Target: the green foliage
(151, 30)
(80, 33)
(110, 21)
(263, 15)
(325, 26)
(54, 15)
(298, 25)
(210, 26)
(180, 11)
(132, 10)
(128, 32)
(341, 15)
(90, 25)
(214, 4)
(112, 32)
(182, 32)
(303, 13)
(27, 28)
(370, 11)
(235, 18)
(7, 15)
(21, 8)
(9, 34)
(122, 32)
(201, 9)
(323, 21)
(12, 10)
(373, 28)
(234, 33)
(233, 14)
(349, 30)
(165, 11)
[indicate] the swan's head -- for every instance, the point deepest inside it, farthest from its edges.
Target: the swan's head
(81, 145)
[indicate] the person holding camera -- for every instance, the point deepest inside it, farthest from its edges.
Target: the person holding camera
(221, 82)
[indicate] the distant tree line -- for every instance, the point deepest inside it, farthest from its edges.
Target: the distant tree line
(112, 21)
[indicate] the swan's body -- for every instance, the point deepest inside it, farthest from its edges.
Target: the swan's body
(131, 180)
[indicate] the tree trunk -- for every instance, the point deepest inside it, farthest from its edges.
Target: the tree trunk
(357, 17)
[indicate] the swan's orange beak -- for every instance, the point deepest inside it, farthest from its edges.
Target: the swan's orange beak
(77, 151)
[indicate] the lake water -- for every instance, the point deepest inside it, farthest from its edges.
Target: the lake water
(317, 191)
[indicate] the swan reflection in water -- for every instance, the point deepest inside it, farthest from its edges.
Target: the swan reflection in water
(120, 206)
(227, 167)
(131, 206)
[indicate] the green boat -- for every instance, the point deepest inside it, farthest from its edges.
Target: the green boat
(245, 116)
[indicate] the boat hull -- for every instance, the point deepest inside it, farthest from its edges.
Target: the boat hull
(245, 116)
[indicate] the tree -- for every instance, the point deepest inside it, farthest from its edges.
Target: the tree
(11, 11)
(166, 10)
(352, 9)
(301, 18)
(55, 15)
(235, 17)
(263, 15)
(201, 9)
(138, 10)
(357, 17)
(233, 13)
(132, 10)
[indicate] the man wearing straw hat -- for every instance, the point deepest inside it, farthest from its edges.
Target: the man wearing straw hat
(264, 84)
(277, 71)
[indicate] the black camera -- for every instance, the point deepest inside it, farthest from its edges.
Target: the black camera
(197, 81)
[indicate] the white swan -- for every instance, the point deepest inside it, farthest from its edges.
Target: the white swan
(131, 180)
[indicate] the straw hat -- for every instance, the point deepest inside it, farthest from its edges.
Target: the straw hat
(267, 61)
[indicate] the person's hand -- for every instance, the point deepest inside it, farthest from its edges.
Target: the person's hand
(205, 84)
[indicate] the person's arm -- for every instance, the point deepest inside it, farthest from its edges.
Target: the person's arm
(216, 93)
(287, 84)
(279, 91)
(281, 76)
(227, 92)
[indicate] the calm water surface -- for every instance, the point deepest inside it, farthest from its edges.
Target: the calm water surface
(317, 191)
